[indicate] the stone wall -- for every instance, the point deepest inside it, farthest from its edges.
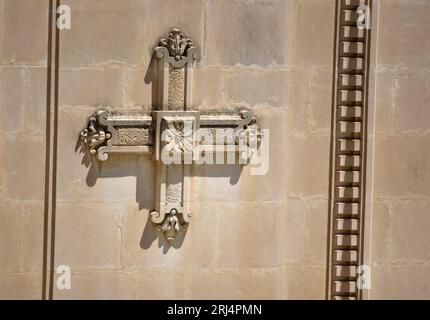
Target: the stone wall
(251, 236)
(23, 85)
(399, 239)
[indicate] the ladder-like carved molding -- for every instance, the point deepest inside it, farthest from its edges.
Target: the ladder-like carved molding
(347, 194)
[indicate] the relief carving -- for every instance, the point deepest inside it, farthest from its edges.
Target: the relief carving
(95, 136)
(172, 129)
(176, 43)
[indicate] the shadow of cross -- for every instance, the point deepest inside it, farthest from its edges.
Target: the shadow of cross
(175, 136)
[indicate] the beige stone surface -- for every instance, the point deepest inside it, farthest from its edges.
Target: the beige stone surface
(403, 34)
(23, 39)
(91, 86)
(401, 163)
(20, 286)
(100, 285)
(21, 180)
(245, 87)
(242, 243)
(10, 238)
(401, 159)
(23, 60)
(248, 283)
(410, 223)
(88, 235)
(251, 237)
(23, 99)
(104, 33)
(315, 18)
(247, 34)
(309, 157)
(138, 88)
(207, 88)
(305, 282)
(406, 282)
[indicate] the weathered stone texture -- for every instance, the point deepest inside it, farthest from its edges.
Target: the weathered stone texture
(400, 254)
(251, 236)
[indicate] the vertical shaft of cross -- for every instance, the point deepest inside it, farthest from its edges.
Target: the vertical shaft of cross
(176, 56)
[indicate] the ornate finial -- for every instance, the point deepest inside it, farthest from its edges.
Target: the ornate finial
(171, 225)
(176, 43)
(95, 135)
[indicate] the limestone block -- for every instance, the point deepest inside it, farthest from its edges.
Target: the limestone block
(242, 242)
(162, 283)
(91, 87)
(10, 237)
(32, 231)
(12, 98)
(138, 89)
(314, 25)
(88, 235)
(21, 286)
(386, 91)
(23, 99)
(320, 100)
(258, 283)
(381, 232)
(403, 34)
(410, 225)
(401, 166)
(207, 88)
(310, 99)
(307, 221)
(411, 101)
(240, 33)
(254, 87)
(20, 179)
(99, 285)
(400, 282)
(103, 32)
(316, 231)
(308, 172)
(21, 237)
(305, 282)
(24, 26)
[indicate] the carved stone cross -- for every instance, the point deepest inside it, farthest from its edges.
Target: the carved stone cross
(176, 136)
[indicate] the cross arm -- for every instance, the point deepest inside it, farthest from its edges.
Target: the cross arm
(136, 133)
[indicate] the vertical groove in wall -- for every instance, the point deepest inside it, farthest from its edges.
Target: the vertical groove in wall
(48, 267)
(347, 191)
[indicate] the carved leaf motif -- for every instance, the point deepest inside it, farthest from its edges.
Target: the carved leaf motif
(94, 135)
(171, 225)
(179, 136)
(176, 43)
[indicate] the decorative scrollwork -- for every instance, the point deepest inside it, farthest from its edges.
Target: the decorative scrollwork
(169, 224)
(176, 43)
(176, 49)
(95, 135)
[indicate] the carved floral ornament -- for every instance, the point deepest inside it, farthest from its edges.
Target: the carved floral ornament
(176, 43)
(173, 134)
(177, 50)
